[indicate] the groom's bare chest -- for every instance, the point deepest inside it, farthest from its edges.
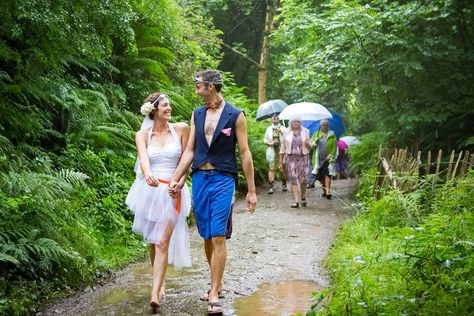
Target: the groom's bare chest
(210, 124)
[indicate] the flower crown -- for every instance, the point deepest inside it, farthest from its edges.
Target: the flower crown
(147, 107)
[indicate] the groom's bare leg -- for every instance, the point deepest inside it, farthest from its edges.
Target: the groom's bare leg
(208, 250)
(218, 261)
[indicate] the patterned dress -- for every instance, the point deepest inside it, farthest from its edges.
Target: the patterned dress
(296, 162)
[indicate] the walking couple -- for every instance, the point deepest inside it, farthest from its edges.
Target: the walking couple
(160, 198)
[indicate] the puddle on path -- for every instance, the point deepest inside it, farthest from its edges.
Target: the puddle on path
(132, 297)
(286, 298)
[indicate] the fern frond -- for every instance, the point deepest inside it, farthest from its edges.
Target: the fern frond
(72, 177)
(7, 258)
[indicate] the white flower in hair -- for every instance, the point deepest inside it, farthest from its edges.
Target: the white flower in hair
(146, 108)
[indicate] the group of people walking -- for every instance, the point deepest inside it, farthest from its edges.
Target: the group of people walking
(302, 159)
(160, 198)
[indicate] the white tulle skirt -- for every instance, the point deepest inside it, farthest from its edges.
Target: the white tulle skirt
(154, 209)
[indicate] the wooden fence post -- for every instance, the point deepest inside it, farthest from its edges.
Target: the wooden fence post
(456, 166)
(428, 163)
(379, 179)
(438, 162)
(451, 161)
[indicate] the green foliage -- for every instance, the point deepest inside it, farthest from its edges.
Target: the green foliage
(399, 67)
(72, 76)
(242, 25)
(363, 156)
(407, 254)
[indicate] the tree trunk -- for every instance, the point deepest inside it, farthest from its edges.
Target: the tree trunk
(265, 52)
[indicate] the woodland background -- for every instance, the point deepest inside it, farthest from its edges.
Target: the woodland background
(73, 75)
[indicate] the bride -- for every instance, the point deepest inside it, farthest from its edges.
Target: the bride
(159, 217)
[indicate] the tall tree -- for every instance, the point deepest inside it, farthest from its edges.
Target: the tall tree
(246, 35)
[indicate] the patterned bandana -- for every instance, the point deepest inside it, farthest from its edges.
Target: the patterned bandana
(213, 105)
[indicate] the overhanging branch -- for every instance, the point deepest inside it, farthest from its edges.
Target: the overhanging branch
(244, 56)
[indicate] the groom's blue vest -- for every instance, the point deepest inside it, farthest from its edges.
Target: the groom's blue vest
(221, 152)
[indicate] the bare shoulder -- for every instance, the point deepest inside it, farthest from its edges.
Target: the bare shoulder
(141, 133)
(180, 126)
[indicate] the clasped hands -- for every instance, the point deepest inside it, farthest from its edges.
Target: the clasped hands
(174, 188)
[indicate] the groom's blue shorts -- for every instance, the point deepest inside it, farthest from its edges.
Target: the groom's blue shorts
(212, 194)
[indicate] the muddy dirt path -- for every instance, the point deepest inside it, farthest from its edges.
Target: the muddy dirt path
(274, 262)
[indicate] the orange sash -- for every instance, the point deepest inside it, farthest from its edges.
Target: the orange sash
(178, 202)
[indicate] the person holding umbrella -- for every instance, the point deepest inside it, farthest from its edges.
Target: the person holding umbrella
(324, 156)
(273, 139)
(295, 147)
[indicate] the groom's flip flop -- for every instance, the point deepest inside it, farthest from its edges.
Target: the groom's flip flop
(205, 296)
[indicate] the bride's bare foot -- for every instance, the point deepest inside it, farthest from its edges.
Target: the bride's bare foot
(154, 303)
(162, 295)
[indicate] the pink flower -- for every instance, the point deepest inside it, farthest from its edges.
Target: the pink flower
(226, 131)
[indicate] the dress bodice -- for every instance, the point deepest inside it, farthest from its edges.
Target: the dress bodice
(163, 161)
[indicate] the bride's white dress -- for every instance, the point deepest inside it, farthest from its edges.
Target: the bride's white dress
(153, 207)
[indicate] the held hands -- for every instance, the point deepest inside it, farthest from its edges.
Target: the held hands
(251, 201)
(174, 189)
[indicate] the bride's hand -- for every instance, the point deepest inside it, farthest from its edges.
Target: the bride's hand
(151, 180)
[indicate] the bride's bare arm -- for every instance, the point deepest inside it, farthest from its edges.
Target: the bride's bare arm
(184, 133)
(140, 140)
(186, 157)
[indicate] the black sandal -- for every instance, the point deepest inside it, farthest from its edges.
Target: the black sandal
(328, 196)
(212, 305)
(303, 202)
(205, 296)
(295, 205)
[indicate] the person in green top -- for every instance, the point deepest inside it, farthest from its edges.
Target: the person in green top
(324, 156)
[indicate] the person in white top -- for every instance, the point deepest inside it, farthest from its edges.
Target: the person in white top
(273, 140)
(159, 217)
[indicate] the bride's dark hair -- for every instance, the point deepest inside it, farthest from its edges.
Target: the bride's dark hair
(152, 98)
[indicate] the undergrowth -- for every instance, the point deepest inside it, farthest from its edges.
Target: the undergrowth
(405, 254)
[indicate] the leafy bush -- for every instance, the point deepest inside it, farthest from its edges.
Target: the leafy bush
(407, 254)
(363, 156)
(73, 75)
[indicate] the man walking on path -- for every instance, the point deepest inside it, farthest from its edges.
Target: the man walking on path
(216, 128)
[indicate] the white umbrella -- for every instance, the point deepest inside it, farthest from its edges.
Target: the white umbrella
(306, 111)
(350, 140)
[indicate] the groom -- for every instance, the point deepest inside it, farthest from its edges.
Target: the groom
(216, 128)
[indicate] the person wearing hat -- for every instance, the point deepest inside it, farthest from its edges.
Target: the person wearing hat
(216, 128)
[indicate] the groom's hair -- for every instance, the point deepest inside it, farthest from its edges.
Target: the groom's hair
(211, 76)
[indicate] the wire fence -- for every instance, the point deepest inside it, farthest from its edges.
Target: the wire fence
(403, 170)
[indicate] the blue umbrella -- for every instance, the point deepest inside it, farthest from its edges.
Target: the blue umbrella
(335, 124)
